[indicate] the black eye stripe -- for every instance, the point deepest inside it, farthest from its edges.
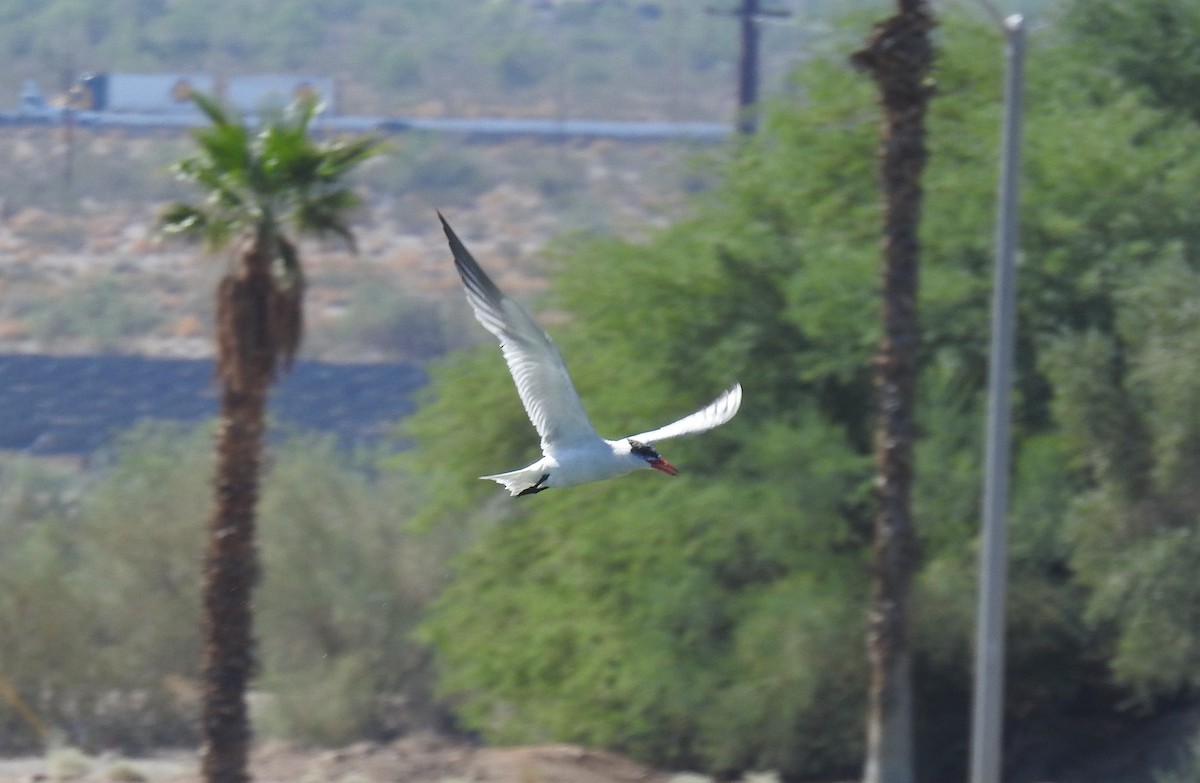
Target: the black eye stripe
(642, 450)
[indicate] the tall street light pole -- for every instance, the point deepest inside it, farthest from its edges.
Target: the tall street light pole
(988, 716)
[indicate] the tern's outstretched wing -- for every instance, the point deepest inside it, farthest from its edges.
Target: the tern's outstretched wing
(712, 415)
(537, 368)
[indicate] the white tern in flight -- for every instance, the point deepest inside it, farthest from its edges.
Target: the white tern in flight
(572, 452)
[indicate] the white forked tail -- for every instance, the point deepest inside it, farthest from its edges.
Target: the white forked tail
(518, 481)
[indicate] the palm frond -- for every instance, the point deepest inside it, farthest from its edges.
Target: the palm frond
(269, 180)
(326, 214)
(183, 219)
(302, 110)
(224, 147)
(222, 231)
(215, 228)
(341, 156)
(293, 273)
(211, 108)
(288, 163)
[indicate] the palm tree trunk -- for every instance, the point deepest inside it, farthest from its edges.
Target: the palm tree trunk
(230, 572)
(246, 361)
(898, 56)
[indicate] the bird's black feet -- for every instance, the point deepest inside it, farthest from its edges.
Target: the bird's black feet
(536, 488)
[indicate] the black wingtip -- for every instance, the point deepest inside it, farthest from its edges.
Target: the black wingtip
(445, 226)
(469, 270)
(456, 245)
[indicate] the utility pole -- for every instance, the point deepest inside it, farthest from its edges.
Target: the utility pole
(988, 709)
(750, 14)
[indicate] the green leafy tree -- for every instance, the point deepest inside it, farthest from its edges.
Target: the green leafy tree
(672, 602)
(261, 188)
(344, 583)
(1128, 405)
(1121, 375)
(1125, 396)
(1149, 44)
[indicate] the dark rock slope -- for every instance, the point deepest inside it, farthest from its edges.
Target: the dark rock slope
(76, 404)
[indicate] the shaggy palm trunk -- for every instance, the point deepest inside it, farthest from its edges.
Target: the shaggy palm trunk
(249, 314)
(231, 569)
(898, 56)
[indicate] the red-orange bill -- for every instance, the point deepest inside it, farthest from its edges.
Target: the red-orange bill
(664, 466)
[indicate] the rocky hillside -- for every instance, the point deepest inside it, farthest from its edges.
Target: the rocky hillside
(82, 269)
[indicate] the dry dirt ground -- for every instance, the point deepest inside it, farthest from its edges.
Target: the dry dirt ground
(414, 759)
(1143, 756)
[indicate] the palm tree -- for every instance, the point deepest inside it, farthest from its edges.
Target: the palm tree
(261, 187)
(898, 56)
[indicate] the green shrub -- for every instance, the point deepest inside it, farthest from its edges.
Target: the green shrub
(437, 168)
(100, 578)
(46, 648)
(124, 772)
(382, 319)
(99, 595)
(397, 67)
(522, 63)
(343, 587)
(68, 764)
(99, 312)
